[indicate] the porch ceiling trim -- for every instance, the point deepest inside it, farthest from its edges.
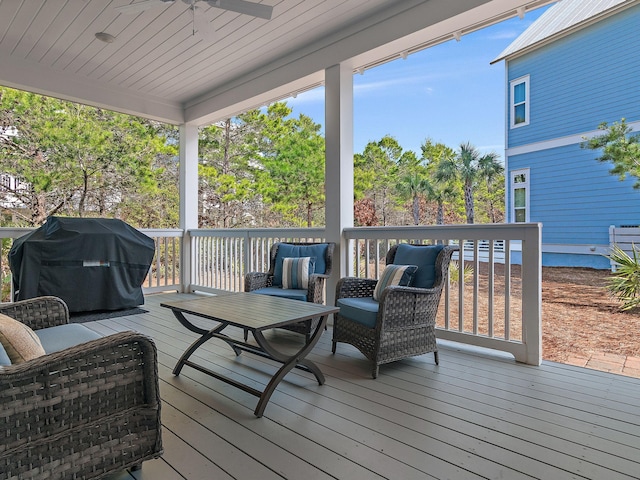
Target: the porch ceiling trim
(375, 40)
(384, 31)
(54, 83)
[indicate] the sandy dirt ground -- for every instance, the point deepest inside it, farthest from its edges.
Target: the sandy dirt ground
(580, 317)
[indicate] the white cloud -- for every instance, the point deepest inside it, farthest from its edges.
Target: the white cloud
(363, 88)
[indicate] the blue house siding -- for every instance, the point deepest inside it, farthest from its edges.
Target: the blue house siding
(576, 199)
(569, 260)
(575, 83)
(581, 80)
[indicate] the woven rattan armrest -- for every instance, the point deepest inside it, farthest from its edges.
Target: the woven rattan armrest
(315, 290)
(100, 396)
(37, 313)
(256, 280)
(407, 307)
(353, 287)
(404, 291)
(317, 276)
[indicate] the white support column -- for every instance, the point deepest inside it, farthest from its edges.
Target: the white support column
(339, 165)
(532, 295)
(188, 197)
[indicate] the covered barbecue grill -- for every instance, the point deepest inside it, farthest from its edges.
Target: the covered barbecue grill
(91, 263)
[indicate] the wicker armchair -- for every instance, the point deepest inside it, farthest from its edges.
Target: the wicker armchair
(270, 283)
(402, 322)
(83, 412)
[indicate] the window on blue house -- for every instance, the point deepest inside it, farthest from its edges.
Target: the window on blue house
(520, 195)
(519, 102)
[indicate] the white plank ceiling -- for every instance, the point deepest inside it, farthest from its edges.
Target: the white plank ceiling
(157, 67)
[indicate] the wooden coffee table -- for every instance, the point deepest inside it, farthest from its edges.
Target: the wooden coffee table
(253, 313)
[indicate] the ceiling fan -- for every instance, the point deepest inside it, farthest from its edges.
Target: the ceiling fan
(239, 6)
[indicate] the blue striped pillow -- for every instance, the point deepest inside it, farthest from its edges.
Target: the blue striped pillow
(296, 271)
(394, 275)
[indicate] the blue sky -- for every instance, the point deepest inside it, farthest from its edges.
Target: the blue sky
(448, 93)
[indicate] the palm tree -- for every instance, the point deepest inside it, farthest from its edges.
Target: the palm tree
(440, 192)
(468, 166)
(491, 170)
(411, 186)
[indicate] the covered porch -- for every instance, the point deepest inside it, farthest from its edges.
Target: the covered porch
(479, 414)
(155, 66)
(149, 58)
(496, 304)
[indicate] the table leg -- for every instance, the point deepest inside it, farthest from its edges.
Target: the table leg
(208, 335)
(187, 324)
(289, 362)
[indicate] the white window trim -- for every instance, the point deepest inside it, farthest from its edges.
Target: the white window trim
(527, 186)
(527, 101)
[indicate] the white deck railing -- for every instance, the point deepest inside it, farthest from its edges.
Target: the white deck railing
(220, 258)
(164, 273)
(627, 238)
(497, 305)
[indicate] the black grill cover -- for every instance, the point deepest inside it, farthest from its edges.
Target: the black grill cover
(91, 263)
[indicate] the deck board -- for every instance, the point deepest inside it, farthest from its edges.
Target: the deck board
(476, 415)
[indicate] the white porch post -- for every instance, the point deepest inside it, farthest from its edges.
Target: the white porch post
(532, 295)
(339, 165)
(188, 197)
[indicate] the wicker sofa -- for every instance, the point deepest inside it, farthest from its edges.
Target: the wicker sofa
(270, 283)
(85, 411)
(401, 322)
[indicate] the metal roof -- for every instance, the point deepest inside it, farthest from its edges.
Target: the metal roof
(562, 18)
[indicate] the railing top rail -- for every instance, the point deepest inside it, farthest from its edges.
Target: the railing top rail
(258, 232)
(502, 231)
(164, 232)
(12, 232)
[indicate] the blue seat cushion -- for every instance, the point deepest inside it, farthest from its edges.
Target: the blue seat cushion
(294, 294)
(424, 257)
(362, 310)
(317, 252)
(54, 339)
(61, 337)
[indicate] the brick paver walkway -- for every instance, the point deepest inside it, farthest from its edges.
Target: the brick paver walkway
(608, 362)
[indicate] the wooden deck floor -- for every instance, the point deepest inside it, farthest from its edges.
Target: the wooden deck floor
(476, 415)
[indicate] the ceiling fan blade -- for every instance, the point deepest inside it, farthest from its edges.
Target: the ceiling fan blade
(243, 6)
(141, 6)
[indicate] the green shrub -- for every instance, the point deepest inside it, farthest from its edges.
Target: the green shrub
(625, 281)
(454, 272)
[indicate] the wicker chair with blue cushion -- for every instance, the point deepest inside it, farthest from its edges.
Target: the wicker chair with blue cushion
(296, 271)
(73, 403)
(394, 317)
